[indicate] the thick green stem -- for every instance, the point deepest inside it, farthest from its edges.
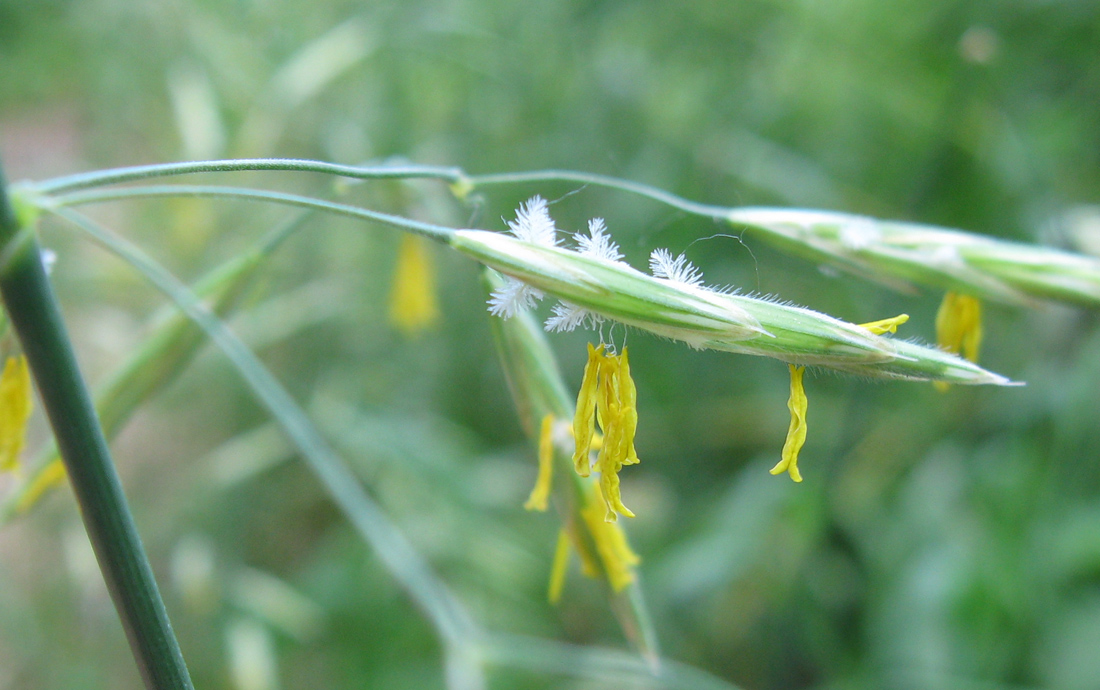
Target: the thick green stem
(34, 313)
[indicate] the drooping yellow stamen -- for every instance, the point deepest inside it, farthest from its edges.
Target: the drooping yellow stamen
(50, 477)
(584, 419)
(15, 410)
(629, 411)
(559, 567)
(796, 433)
(413, 306)
(618, 418)
(798, 403)
(608, 414)
(959, 327)
(540, 495)
(615, 553)
(886, 325)
(607, 397)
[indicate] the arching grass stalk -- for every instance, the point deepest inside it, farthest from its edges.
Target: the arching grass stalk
(572, 176)
(458, 632)
(33, 310)
(452, 174)
(895, 254)
(100, 178)
(434, 232)
(461, 181)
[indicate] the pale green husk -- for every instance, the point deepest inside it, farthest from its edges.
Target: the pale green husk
(704, 318)
(902, 254)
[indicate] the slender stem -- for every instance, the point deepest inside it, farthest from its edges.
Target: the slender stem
(144, 172)
(32, 307)
(650, 192)
(447, 173)
(435, 232)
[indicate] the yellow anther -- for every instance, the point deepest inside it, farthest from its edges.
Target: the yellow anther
(15, 410)
(584, 419)
(558, 569)
(413, 306)
(886, 325)
(609, 487)
(796, 433)
(540, 495)
(607, 401)
(629, 395)
(959, 327)
(616, 398)
(607, 397)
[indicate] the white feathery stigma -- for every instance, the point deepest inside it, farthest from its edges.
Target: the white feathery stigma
(533, 223)
(597, 244)
(678, 270)
(513, 297)
(568, 316)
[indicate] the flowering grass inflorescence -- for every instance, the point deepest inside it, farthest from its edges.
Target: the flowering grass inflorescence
(594, 285)
(548, 416)
(607, 395)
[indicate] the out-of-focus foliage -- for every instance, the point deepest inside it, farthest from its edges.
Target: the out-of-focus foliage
(938, 540)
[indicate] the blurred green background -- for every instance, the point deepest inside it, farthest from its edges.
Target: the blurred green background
(939, 540)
